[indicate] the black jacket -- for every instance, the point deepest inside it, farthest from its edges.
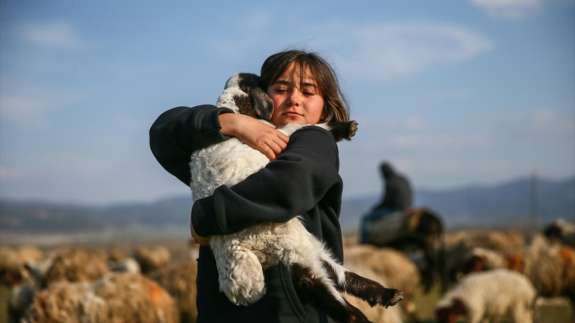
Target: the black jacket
(303, 180)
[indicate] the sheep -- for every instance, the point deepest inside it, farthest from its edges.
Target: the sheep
(14, 263)
(489, 295)
(114, 298)
(464, 259)
(20, 271)
(460, 255)
(561, 231)
(60, 265)
(374, 314)
(505, 241)
(75, 265)
(551, 268)
(242, 256)
(416, 229)
(151, 258)
(179, 280)
(126, 265)
(390, 265)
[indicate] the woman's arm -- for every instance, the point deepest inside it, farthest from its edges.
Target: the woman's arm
(180, 131)
(288, 186)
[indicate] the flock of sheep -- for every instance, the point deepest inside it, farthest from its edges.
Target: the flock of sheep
(491, 274)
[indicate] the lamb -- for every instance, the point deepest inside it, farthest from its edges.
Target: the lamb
(242, 256)
(490, 295)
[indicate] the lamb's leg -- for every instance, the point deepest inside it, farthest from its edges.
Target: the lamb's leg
(315, 290)
(240, 274)
(369, 290)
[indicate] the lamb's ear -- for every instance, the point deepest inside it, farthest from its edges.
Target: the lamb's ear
(261, 103)
(343, 129)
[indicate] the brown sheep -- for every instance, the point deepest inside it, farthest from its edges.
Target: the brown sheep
(504, 241)
(180, 281)
(14, 263)
(76, 265)
(151, 258)
(551, 268)
(389, 265)
(376, 313)
(116, 298)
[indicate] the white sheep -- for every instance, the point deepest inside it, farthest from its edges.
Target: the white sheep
(242, 256)
(489, 295)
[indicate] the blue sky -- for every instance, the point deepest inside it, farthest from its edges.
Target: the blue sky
(452, 92)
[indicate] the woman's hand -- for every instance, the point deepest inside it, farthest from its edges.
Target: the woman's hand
(258, 135)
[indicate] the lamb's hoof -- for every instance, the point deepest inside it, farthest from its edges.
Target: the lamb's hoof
(246, 297)
(391, 297)
(385, 297)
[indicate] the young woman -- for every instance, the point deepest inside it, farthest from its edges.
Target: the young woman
(301, 179)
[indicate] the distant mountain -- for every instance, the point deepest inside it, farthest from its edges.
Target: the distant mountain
(498, 205)
(510, 203)
(33, 216)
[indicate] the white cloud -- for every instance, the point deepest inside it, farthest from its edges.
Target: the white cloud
(548, 120)
(365, 50)
(508, 9)
(248, 32)
(442, 153)
(387, 51)
(33, 107)
(53, 34)
(22, 110)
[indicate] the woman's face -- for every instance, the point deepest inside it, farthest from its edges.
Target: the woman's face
(296, 99)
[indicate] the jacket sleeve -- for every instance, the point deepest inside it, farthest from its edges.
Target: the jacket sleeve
(180, 131)
(288, 186)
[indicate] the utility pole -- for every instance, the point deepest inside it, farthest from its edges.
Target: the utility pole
(533, 202)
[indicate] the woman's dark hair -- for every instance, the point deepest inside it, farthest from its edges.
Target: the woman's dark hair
(335, 104)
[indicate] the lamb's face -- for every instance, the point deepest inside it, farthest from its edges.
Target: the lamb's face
(250, 98)
(243, 94)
